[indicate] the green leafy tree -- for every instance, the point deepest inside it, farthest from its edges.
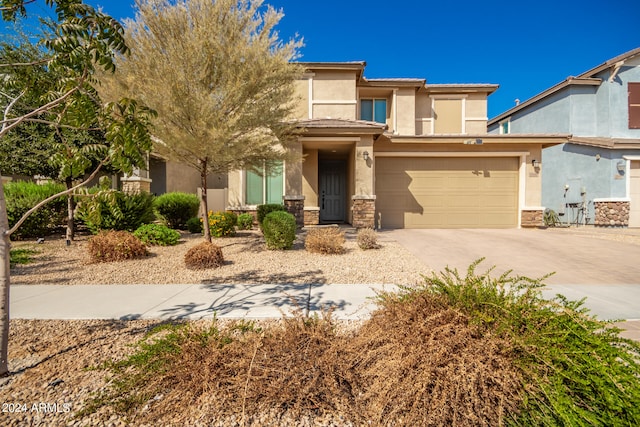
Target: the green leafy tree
(220, 79)
(51, 144)
(83, 40)
(26, 149)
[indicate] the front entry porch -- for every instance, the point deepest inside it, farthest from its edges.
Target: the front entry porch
(334, 177)
(334, 182)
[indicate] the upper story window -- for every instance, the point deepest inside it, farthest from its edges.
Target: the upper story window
(505, 127)
(264, 187)
(634, 105)
(373, 110)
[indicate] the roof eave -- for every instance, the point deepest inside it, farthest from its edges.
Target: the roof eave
(546, 140)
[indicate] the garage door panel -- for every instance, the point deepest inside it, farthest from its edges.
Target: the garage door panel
(447, 192)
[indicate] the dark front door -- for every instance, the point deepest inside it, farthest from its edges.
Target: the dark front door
(332, 190)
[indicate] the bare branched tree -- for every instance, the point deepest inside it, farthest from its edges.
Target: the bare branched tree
(220, 79)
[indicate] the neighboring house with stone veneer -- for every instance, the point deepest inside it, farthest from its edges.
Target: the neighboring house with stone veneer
(399, 153)
(600, 164)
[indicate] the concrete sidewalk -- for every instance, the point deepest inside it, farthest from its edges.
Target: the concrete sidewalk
(350, 302)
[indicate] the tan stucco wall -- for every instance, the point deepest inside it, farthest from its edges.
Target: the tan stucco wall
(301, 110)
(448, 116)
(334, 111)
(406, 112)
(235, 189)
(476, 105)
(310, 178)
(533, 195)
(351, 185)
(423, 105)
(181, 178)
(363, 170)
(293, 173)
(334, 85)
(186, 179)
(476, 113)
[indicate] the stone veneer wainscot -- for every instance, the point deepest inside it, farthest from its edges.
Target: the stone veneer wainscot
(612, 212)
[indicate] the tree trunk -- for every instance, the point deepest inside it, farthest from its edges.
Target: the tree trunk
(204, 207)
(5, 277)
(71, 205)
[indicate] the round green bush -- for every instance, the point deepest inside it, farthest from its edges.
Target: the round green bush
(157, 235)
(245, 221)
(222, 224)
(264, 210)
(194, 225)
(176, 208)
(279, 229)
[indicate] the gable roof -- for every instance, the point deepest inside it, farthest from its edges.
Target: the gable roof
(586, 78)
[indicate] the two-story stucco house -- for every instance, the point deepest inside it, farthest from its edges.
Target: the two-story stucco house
(599, 167)
(399, 153)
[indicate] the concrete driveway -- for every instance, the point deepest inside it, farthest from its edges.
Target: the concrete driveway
(602, 265)
(577, 257)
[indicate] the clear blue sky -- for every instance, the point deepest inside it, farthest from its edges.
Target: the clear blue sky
(525, 47)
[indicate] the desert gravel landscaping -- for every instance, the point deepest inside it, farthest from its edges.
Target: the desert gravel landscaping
(50, 359)
(55, 365)
(246, 261)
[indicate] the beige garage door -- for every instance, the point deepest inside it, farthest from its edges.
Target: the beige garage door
(435, 192)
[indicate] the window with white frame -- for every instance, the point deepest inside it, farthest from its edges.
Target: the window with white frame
(264, 186)
(505, 127)
(373, 110)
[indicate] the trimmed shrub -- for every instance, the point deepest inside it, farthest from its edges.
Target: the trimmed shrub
(115, 210)
(264, 210)
(204, 255)
(245, 221)
(157, 235)
(22, 195)
(222, 224)
(107, 246)
(367, 239)
(176, 208)
(194, 225)
(325, 240)
(279, 229)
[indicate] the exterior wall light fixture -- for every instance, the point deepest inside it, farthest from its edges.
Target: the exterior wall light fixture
(621, 165)
(365, 156)
(535, 163)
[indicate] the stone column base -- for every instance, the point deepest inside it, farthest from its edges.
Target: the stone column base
(135, 184)
(295, 206)
(364, 211)
(530, 218)
(311, 216)
(611, 213)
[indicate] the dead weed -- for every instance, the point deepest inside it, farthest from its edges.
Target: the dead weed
(419, 364)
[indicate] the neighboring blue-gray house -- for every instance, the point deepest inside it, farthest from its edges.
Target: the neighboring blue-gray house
(600, 166)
